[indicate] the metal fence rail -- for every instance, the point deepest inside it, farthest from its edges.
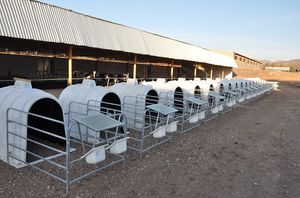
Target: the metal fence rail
(67, 159)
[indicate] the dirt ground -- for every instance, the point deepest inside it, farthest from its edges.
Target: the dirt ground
(252, 151)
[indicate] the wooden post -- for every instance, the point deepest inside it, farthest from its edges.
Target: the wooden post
(211, 72)
(223, 73)
(172, 70)
(195, 71)
(70, 67)
(134, 67)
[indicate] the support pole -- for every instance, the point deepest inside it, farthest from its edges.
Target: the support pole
(211, 72)
(172, 70)
(223, 73)
(70, 67)
(195, 71)
(134, 67)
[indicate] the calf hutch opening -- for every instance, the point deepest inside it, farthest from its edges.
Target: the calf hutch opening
(32, 125)
(151, 97)
(197, 92)
(110, 102)
(51, 109)
(178, 99)
(221, 91)
(211, 88)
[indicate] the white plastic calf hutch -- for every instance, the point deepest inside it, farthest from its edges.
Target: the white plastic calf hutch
(34, 133)
(88, 99)
(28, 117)
(147, 127)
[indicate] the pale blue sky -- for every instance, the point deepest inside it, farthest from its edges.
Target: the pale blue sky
(261, 29)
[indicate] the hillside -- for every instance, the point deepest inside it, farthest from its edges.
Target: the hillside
(267, 75)
(289, 63)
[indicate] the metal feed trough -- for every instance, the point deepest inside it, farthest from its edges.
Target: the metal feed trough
(147, 124)
(35, 134)
(180, 95)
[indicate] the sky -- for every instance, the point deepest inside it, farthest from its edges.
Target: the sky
(260, 29)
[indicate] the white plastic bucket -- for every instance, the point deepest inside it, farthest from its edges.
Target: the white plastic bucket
(233, 102)
(193, 119)
(159, 132)
(96, 155)
(242, 99)
(229, 104)
(201, 115)
(119, 146)
(215, 110)
(220, 107)
(248, 97)
(170, 128)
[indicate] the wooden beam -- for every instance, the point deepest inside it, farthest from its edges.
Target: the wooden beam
(211, 72)
(70, 66)
(134, 67)
(84, 58)
(195, 71)
(172, 70)
(223, 73)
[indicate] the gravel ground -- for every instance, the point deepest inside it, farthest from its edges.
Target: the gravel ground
(252, 151)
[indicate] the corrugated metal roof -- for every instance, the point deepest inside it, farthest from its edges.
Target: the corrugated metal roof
(27, 19)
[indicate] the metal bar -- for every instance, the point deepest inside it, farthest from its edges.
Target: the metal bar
(38, 156)
(39, 130)
(35, 115)
(42, 170)
(67, 183)
(40, 144)
(95, 171)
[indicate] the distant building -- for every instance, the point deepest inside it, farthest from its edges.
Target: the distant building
(241, 60)
(295, 68)
(284, 69)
